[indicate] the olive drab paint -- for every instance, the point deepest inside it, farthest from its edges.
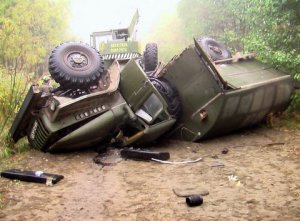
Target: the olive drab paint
(126, 108)
(219, 98)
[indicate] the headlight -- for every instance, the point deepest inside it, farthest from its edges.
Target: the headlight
(52, 105)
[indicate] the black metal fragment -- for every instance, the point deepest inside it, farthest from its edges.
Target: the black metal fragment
(144, 155)
(31, 176)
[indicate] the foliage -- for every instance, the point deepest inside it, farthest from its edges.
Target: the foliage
(172, 35)
(12, 89)
(29, 29)
(25, 40)
(270, 28)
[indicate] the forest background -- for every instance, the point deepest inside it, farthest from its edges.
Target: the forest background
(29, 29)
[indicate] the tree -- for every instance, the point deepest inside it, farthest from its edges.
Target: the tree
(28, 31)
(271, 28)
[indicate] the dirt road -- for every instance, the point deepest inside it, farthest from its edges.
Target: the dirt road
(265, 183)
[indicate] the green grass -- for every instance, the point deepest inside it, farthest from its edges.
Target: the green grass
(5, 153)
(7, 148)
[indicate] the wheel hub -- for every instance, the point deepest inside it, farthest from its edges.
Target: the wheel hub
(215, 49)
(77, 60)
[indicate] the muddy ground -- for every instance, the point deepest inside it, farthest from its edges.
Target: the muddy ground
(266, 163)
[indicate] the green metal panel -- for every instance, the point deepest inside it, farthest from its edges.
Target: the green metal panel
(87, 135)
(135, 87)
(196, 86)
(115, 47)
(245, 107)
(72, 114)
(94, 131)
(255, 91)
(136, 90)
(248, 72)
(133, 23)
(153, 132)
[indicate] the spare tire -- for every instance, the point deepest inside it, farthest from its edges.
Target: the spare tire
(75, 65)
(150, 57)
(216, 50)
(170, 95)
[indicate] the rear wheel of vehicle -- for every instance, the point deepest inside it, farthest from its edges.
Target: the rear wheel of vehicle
(216, 50)
(150, 57)
(75, 65)
(170, 95)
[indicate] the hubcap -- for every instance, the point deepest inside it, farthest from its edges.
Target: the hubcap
(77, 60)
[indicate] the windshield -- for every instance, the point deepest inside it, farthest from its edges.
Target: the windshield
(103, 38)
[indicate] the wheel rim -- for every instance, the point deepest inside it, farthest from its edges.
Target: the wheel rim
(77, 60)
(215, 49)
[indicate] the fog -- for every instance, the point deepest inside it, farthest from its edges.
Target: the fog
(98, 15)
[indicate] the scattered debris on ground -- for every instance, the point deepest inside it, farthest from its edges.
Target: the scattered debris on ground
(32, 176)
(145, 190)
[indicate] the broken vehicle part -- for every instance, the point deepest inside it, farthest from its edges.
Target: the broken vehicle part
(144, 155)
(225, 150)
(194, 200)
(32, 176)
(177, 162)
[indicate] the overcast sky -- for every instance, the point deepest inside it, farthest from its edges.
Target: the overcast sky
(99, 15)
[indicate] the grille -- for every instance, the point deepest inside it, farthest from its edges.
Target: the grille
(121, 56)
(38, 135)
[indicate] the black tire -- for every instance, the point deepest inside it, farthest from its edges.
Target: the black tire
(169, 94)
(216, 50)
(150, 57)
(75, 65)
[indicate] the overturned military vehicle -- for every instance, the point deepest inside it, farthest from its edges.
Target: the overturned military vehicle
(201, 93)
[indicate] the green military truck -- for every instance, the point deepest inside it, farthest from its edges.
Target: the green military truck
(122, 45)
(201, 93)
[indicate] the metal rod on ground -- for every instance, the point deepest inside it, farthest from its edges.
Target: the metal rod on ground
(178, 162)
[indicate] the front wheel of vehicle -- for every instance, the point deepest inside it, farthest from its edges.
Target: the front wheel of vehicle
(75, 65)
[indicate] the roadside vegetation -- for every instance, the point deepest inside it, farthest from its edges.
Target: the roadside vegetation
(30, 29)
(270, 28)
